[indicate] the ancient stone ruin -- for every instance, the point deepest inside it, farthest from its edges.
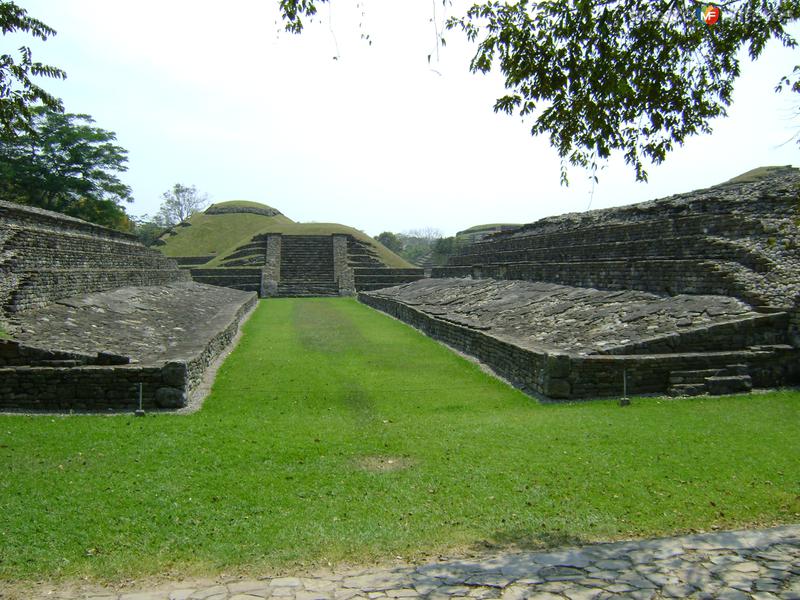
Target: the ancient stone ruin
(93, 314)
(689, 294)
(297, 264)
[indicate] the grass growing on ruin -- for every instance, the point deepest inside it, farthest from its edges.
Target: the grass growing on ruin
(222, 234)
(335, 433)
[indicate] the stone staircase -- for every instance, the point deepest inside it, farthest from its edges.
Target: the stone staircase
(731, 379)
(361, 255)
(307, 266)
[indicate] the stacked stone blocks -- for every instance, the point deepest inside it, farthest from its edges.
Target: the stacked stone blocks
(46, 257)
(735, 240)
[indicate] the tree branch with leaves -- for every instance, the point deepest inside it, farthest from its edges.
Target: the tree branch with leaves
(599, 77)
(18, 94)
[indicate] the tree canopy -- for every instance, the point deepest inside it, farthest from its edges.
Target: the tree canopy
(18, 94)
(180, 203)
(66, 164)
(605, 76)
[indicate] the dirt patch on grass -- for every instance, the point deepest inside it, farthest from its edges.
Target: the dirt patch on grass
(383, 464)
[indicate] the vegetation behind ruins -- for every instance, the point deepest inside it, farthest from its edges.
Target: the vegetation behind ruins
(335, 433)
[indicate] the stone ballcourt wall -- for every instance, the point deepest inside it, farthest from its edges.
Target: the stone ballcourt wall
(33, 379)
(45, 256)
(564, 376)
(92, 388)
(738, 240)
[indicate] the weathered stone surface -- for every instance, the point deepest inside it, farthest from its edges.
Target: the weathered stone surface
(560, 319)
(169, 333)
(736, 239)
(510, 326)
(706, 566)
(170, 397)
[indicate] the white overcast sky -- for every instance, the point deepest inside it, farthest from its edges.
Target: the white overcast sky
(212, 94)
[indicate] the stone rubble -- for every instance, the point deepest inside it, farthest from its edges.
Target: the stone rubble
(757, 564)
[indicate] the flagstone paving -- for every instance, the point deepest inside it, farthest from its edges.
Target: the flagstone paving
(759, 565)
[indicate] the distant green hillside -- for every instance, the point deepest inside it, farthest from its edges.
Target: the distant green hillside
(221, 234)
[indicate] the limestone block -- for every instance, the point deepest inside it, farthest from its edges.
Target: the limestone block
(169, 397)
(175, 374)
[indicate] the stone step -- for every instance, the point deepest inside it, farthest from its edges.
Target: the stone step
(687, 389)
(693, 377)
(385, 271)
(738, 369)
(55, 363)
(730, 384)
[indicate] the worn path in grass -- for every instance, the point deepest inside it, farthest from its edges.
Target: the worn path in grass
(335, 434)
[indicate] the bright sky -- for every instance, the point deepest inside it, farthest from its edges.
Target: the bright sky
(213, 94)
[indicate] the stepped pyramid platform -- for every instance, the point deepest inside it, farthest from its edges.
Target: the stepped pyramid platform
(264, 251)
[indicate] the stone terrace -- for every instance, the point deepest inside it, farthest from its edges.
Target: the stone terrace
(93, 314)
(568, 342)
(735, 239)
(551, 317)
(283, 265)
(45, 256)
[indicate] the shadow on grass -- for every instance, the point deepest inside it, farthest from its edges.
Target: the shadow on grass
(525, 539)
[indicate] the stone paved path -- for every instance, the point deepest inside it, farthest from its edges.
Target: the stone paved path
(761, 565)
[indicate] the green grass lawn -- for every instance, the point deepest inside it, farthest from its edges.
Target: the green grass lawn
(287, 464)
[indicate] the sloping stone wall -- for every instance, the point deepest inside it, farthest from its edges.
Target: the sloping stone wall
(46, 256)
(560, 374)
(734, 239)
(169, 366)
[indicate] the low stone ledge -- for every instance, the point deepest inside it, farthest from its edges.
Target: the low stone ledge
(192, 327)
(562, 375)
(90, 388)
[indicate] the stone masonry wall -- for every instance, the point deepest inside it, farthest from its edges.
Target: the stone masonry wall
(38, 379)
(92, 387)
(561, 375)
(17, 354)
(46, 256)
(733, 239)
(271, 274)
(342, 273)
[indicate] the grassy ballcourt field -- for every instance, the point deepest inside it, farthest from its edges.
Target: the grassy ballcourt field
(336, 433)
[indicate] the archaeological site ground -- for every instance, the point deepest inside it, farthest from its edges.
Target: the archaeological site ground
(336, 433)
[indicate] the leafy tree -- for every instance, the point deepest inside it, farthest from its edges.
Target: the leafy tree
(391, 241)
(64, 163)
(18, 94)
(147, 229)
(180, 203)
(605, 76)
(445, 246)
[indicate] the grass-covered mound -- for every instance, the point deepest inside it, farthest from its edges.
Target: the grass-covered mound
(220, 234)
(758, 174)
(335, 433)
